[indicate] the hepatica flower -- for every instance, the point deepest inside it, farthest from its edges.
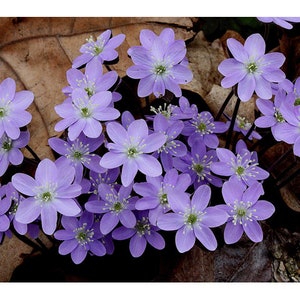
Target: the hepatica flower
(155, 192)
(79, 153)
(103, 49)
(283, 22)
(197, 164)
(52, 191)
(192, 219)
(84, 114)
(159, 64)
(140, 234)
(116, 205)
(5, 203)
(10, 150)
(202, 127)
(92, 81)
(131, 148)
(80, 237)
(251, 69)
(13, 105)
(243, 165)
(244, 210)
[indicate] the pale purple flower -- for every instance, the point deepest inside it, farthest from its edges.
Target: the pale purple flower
(80, 237)
(243, 165)
(251, 69)
(197, 164)
(10, 150)
(202, 127)
(52, 191)
(5, 203)
(283, 22)
(192, 219)
(158, 63)
(173, 147)
(155, 192)
(289, 131)
(102, 50)
(116, 205)
(131, 148)
(92, 81)
(244, 211)
(173, 112)
(272, 116)
(13, 115)
(243, 125)
(286, 85)
(140, 234)
(83, 113)
(79, 153)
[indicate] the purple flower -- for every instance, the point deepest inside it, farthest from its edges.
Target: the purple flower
(272, 116)
(158, 63)
(280, 21)
(251, 68)
(12, 108)
(192, 219)
(103, 49)
(172, 147)
(5, 203)
(79, 153)
(115, 205)
(80, 237)
(197, 164)
(130, 148)
(155, 192)
(289, 130)
(83, 113)
(244, 211)
(10, 150)
(140, 234)
(242, 166)
(202, 127)
(92, 81)
(51, 191)
(243, 125)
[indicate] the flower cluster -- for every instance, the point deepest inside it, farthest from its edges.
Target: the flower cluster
(118, 177)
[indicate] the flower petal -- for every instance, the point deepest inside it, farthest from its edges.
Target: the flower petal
(185, 239)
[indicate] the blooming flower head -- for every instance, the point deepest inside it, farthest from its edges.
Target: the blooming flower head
(192, 219)
(172, 147)
(10, 150)
(155, 192)
(283, 22)
(272, 116)
(5, 203)
(158, 63)
(251, 68)
(80, 237)
(83, 113)
(202, 127)
(51, 191)
(244, 210)
(79, 153)
(92, 81)
(116, 204)
(13, 115)
(243, 125)
(197, 164)
(242, 166)
(140, 234)
(130, 148)
(103, 49)
(289, 131)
